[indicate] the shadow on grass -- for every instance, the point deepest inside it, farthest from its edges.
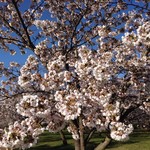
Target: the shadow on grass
(70, 146)
(62, 147)
(47, 137)
(47, 147)
(43, 147)
(140, 135)
(91, 145)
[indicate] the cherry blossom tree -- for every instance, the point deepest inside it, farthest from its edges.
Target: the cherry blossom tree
(96, 59)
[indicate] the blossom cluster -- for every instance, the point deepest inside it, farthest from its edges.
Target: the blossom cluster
(27, 72)
(72, 129)
(33, 105)
(55, 121)
(41, 107)
(42, 51)
(68, 105)
(140, 38)
(120, 131)
(146, 106)
(21, 134)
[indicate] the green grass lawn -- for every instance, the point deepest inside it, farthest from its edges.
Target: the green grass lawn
(138, 141)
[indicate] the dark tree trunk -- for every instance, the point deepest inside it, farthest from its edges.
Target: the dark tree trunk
(64, 140)
(89, 136)
(81, 132)
(77, 144)
(102, 146)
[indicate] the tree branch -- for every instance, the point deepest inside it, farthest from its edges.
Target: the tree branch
(31, 45)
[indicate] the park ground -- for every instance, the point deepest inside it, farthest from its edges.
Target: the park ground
(138, 141)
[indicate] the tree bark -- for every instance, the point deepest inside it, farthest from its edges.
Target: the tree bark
(103, 145)
(64, 140)
(1, 148)
(77, 144)
(81, 132)
(89, 136)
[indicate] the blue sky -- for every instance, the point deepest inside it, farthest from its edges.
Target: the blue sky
(6, 57)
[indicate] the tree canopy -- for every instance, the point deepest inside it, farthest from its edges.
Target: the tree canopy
(95, 56)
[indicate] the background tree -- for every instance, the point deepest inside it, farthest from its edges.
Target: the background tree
(85, 46)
